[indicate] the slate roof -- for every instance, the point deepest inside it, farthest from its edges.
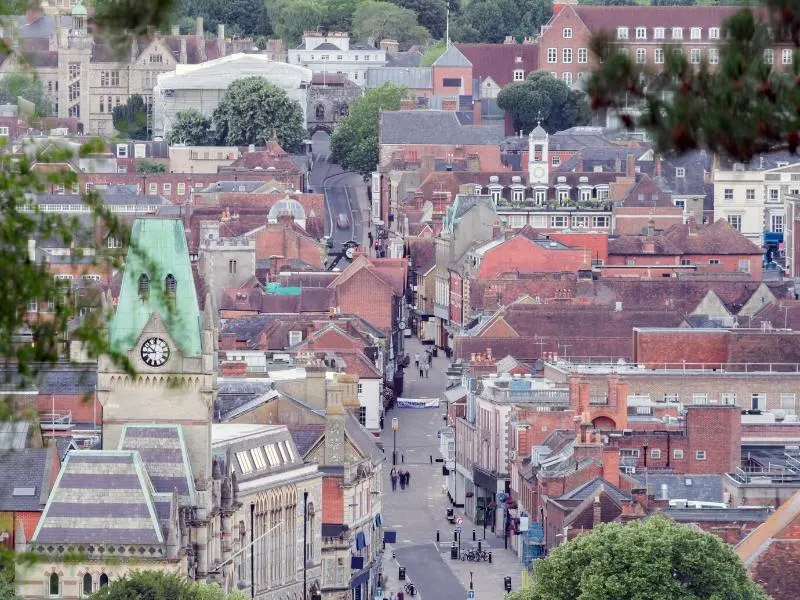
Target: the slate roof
(101, 497)
(499, 61)
(749, 514)
(705, 488)
(403, 59)
(452, 57)
(362, 439)
(163, 451)
(589, 490)
(233, 393)
(687, 238)
(433, 127)
(327, 46)
(252, 439)
(608, 18)
(68, 379)
(25, 476)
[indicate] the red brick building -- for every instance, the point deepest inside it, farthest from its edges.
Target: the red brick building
(684, 248)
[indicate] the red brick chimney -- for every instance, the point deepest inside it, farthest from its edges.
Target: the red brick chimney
(597, 512)
(630, 169)
(611, 465)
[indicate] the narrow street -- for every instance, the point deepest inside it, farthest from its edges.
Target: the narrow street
(417, 512)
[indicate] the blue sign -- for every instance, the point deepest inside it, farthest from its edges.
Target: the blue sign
(471, 595)
(458, 529)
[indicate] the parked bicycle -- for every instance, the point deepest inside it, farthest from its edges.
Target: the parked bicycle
(411, 589)
(474, 555)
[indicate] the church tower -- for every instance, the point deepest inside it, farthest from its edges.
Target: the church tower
(538, 167)
(169, 343)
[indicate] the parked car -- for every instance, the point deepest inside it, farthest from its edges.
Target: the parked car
(342, 222)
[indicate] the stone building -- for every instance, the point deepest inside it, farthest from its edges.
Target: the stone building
(86, 77)
(329, 99)
(163, 493)
(331, 54)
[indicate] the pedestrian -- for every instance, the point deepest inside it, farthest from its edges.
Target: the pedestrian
(421, 371)
(408, 479)
(430, 358)
(426, 368)
(402, 479)
(416, 360)
(393, 477)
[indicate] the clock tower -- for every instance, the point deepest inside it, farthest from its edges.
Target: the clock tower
(168, 342)
(538, 165)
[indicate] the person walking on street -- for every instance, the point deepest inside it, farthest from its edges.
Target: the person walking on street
(393, 477)
(408, 478)
(402, 479)
(430, 358)
(416, 360)
(421, 371)
(426, 367)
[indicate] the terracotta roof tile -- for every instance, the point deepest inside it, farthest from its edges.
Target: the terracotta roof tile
(688, 238)
(499, 61)
(608, 18)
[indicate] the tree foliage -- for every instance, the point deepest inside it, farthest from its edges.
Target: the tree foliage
(376, 21)
(290, 18)
(14, 85)
(354, 143)
(150, 166)
(240, 17)
(431, 14)
(253, 110)
(491, 21)
(432, 53)
(655, 559)
(742, 107)
(190, 128)
(542, 97)
(156, 585)
(130, 119)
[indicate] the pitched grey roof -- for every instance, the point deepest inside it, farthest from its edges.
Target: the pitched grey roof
(163, 451)
(68, 380)
(415, 78)
(362, 439)
(100, 497)
(233, 439)
(403, 59)
(750, 514)
(589, 488)
(433, 127)
(25, 478)
(326, 46)
(306, 435)
(705, 488)
(452, 57)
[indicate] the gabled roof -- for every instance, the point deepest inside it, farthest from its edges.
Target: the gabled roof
(101, 497)
(163, 243)
(499, 61)
(452, 57)
(163, 451)
(435, 127)
(704, 488)
(306, 435)
(583, 515)
(590, 489)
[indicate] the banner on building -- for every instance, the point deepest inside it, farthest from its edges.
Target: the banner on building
(418, 402)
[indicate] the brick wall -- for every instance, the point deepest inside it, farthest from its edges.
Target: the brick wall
(361, 295)
(84, 409)
(332, 499)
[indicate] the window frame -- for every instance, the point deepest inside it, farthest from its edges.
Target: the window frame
(567, 33)
(622, 33)
(552, 56)
(700, 455)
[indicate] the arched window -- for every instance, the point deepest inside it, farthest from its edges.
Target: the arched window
(144, 286)
(343, 110)
(87, 584)
(320, 112)
(103, 580)
(170, 285)
(55, 585)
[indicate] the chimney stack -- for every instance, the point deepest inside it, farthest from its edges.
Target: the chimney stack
(200, 39)
(183, 58)
(630, 170)
(221, 39)
(597, 513)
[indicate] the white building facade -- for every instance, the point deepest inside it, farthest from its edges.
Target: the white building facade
(202, 86)
(332, 53)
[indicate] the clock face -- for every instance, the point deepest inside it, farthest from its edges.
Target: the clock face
(539, 171)
(155, 352)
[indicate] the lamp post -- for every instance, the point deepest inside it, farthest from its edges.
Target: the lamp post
(305, 544)
(395, 427)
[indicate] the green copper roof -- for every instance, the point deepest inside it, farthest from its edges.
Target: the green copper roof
(163, 243)
(278, 290)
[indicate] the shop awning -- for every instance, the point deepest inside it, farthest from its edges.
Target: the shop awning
(361, 540)
(378, 520)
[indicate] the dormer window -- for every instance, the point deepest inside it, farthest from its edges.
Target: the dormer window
(170, 286)
(144, 286)
(622, 33)
(517, 195)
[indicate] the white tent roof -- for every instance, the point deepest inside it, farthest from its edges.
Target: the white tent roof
(221, 72)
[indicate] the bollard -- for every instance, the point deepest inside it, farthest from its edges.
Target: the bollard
(490, 558)
(455, 536)
(473, 535)
(437, 535)
(479, 545)
(431, 457)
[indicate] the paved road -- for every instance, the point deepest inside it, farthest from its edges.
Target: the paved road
(417, 512)
(345, 193)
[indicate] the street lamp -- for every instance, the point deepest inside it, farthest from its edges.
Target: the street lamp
(305, 543)
(395, 427)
